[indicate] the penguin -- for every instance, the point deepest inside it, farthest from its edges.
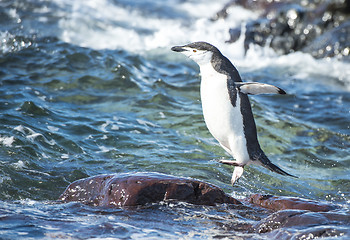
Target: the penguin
(226, 107)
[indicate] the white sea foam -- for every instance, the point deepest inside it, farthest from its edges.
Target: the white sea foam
(302, 65)
(104, 149)
(52, 128)
(19, 165)
(102, 24)
(7, 141)
(9, 43)
(32, 135)
(104, 126)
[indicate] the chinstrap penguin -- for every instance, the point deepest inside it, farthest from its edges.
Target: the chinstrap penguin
(226, 108)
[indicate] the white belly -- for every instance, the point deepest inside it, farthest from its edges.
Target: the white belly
(224, 121)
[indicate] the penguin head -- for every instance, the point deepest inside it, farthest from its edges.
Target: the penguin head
(200, 52)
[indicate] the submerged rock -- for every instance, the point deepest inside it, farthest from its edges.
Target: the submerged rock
(282, 224)
(281, 203)
(118, 190)
(291, 213)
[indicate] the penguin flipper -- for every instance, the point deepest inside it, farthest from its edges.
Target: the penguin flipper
(255, 88)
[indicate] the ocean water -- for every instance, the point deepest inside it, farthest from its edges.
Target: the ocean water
(91, 87)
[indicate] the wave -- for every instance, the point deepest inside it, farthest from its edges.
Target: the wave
(120, 25)
(105, 24)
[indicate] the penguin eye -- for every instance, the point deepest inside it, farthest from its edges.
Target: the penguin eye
(194, 50)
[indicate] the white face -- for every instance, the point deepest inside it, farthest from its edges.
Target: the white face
(201, 57)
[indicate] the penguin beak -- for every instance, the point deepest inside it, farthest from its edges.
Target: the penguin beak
(178, 49)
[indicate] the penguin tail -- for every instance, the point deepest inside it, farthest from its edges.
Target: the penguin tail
(277, 169)
(265, 162)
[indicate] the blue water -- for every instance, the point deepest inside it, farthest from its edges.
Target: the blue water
(91, 87)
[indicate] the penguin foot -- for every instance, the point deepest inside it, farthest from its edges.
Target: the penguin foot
(230, 162)
(237, 173)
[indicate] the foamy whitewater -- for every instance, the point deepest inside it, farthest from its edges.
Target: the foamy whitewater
(105, 25)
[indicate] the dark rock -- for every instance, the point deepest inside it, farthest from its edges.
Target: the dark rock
(324, 232)
(289, 218)
(294, 25)
(310, 223)
(285, 29)
(248, 4)
(234, 34)
(121, 190)
(334, 43)
(280, 203)
(290, 213)
(285, 218)
(118, 190)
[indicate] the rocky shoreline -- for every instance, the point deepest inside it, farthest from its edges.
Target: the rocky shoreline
(318, 27)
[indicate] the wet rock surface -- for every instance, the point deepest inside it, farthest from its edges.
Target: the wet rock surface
(281, 203)
(318, 27)
(275, 216)
(131, 189)
(119, 190)
(290, 214)
(290, 220)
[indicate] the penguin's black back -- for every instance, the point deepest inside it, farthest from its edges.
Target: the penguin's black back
(222, 65)
(249, 126)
